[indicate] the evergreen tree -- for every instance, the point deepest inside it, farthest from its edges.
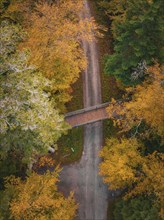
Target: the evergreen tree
(139, 208)
(138, 37)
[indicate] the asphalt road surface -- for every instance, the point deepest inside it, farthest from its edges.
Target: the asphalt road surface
(82, 177)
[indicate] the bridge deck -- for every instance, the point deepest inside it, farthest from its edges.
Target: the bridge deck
(88, 115)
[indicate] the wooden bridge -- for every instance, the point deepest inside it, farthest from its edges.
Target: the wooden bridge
(87, 115)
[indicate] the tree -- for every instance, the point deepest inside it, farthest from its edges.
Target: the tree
(137, 208)
(55, 30)
(54, 40)
(3, 5)
(30, 123)
(135, 39)
(116, 10)
(124, 165)
(146, 104)
(151, 178)
(135, 163)
(37, 197)
(120, 162)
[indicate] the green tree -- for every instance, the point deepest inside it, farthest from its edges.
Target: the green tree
(135, 39)
(30, 123)
(139, 208)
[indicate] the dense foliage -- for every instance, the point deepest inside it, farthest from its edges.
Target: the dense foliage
(40, 58)
(133, 160)
(35, 198)
(137, 208)
(138, 35)
(29, 122)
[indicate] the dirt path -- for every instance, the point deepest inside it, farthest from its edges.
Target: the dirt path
(82, 177)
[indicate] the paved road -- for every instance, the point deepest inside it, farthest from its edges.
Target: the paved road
(82, 177)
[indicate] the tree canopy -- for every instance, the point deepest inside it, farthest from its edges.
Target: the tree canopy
(30, 124)
(146, 104)
(37, 198)
(54, 35)
(136, 208)
(133, 160)
(137, 30)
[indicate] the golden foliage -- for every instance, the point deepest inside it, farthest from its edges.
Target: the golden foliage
(120, 162)
(124, 163)
(147, 104)
(55, 31)
(151, 179)
(116, 10)
(54, 36)
(152, 176)
(37, 198)
(46, 161)
(124, 166)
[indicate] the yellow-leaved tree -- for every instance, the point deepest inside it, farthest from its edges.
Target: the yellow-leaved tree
(116, 10)
(37, 198)
(55, 32)
(125, 166)
(136, 162)
(147, 104)
(120, 162)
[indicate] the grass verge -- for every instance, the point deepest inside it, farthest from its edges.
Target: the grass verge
(77, 96)
(70, 146)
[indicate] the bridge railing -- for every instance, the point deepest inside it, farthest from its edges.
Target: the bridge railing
(88, 109)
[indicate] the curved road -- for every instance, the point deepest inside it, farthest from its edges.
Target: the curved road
(82, 177)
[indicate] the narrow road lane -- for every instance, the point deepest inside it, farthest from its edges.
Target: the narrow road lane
(82, 177)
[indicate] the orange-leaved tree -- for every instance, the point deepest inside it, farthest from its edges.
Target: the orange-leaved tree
(125, 167)
(147, 104)
(36, 198)
(55, 32)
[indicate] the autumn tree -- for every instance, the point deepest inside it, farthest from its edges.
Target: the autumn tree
(37, 197)
(135, 162)
(120, 162)
(54, 39)
(124, 166)
(116, 10)
(30, 123)
(55, 30)
(146, 104)
(151, 178)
